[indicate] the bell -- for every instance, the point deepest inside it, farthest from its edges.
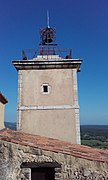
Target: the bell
(48, 38)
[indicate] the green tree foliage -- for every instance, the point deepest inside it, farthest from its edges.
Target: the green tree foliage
(95, 136)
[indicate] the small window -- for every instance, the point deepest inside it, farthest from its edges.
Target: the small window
(45, 88)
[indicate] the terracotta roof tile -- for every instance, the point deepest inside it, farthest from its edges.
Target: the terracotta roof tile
(54, 145)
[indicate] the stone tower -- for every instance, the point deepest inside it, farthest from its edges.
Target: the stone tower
(47, 91)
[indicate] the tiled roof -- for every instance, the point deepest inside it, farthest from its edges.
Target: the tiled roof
(3, 99)
(54, 145)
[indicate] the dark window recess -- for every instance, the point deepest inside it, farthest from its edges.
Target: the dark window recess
(42, 173)
(45, 88)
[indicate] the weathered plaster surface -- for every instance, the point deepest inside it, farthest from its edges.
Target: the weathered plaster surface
(2, 107)
(52, 114)
(57, 124)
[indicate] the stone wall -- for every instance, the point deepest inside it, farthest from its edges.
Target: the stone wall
(12, 156)
(3, 101)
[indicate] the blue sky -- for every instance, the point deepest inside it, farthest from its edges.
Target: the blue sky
(81, 25)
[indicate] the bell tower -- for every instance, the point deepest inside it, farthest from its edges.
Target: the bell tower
(47, 90)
